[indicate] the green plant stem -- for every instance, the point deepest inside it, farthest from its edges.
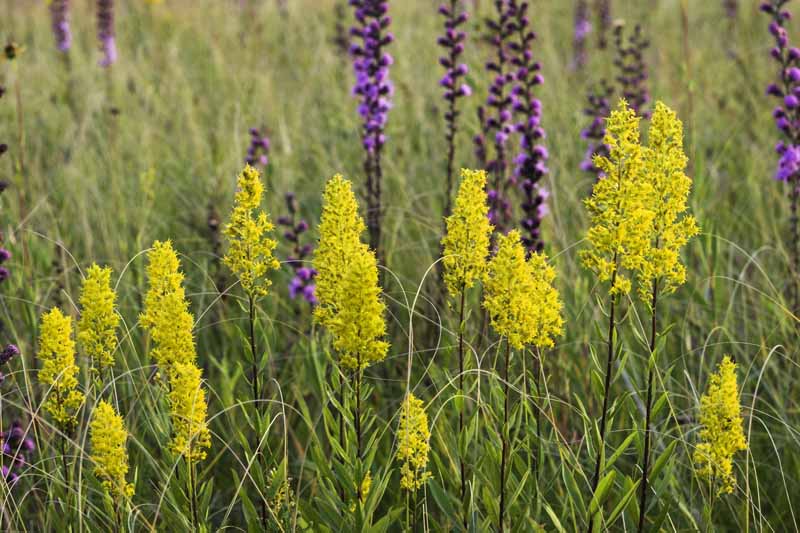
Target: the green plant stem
(461, 394)
(252, 319)
(503, 458)
(648, 409)
(193, 494)
(606, 388)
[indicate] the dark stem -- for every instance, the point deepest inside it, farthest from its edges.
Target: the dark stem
(357, 424)
(503, 458)
(252, 319)
(193, 494)
(648, 409)
(607, 386)
(794, 183)
(537, 407)
(341, 428)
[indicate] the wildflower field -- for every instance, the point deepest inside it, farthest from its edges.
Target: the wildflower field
(399, 265)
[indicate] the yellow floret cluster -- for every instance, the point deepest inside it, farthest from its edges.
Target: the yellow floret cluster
(97, 327)
(108, 439)
(413, 437)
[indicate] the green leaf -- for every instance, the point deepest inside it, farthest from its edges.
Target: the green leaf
(601, 493)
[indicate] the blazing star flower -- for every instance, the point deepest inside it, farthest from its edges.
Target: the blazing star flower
(599, 107)
(59, 16)
(721, 435)
(603, 14)
(413, 436)
(108, 439)
(16, 449)
(531, 162)
(453, 43)
(580, 34)
(105, 32)
(632, 69)
(302, 283)
(495, 117)
(258, 151)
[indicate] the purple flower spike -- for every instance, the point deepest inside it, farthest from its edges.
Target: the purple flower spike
(598, 108)
(632, 69)
(302, 283)
(580, 34)
(258, 150)
(105, 32)
(374, 91)
(8, 353)
(59, 17)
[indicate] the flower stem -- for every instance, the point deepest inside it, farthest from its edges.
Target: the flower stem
(461, 394)
(503, 458)
(648, 412)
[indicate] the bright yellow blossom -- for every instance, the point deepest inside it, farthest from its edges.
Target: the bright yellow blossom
(250, 251)
(59, 371)
(188, 409)
(413, 446)
(664, 165)
(466, 244)
(350, 305)
(166, 315)
(721, 435)
(109, 436)
(621, 217)
(523, 305)
(97, 328)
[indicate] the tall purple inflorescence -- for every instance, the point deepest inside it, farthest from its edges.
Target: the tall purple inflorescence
(530, 165)
(258, 151)
(580, 34)
(453, 43)
(632, 69)
(105, 32)
(787, 120)
(597, 109)
(302, 283)
(603, 14)
(731, 8)
(16, 448)
(374, 91)
(59, 17)
(495, 116)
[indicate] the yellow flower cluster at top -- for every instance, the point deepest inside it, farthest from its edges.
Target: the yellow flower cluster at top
(59, 371)
(350, 305)
(721, 435)
(413, 438)
(466, 244)
(250, 250)
(97, 327)
(170, 324)
(523, 305)
(637, 205)
(108, 438)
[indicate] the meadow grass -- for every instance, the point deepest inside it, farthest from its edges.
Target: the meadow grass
(116, 158)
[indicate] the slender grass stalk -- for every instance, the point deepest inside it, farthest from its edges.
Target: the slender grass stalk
(251, 314)
(193, 493)
(461, 394)
(648, 411)
(504, 438)
(606, 390)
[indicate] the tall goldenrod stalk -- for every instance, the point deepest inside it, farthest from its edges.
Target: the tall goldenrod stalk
(466, 248)
(618, 237)
(524, 309)
(413, 436)
(250, 253)
(108, 441)
(350, 304)
(97, 327)
(662, 271)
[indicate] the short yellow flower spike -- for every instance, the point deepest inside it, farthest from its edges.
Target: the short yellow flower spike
(109, 436)
(721, 435)
(166, 311)
(250, 254)
(413, 436)
(523, 305)
(619, 236)
(350, 305)
(664, 166)
(97, 328)
(187, 399)
(59, 371)
(466, 244)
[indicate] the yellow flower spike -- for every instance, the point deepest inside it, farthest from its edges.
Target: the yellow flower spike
(59, 371)
(166, 315)
(466, 244)
(250, 252)
(664, 166)
(618, 208)
(350, 305)
(108, 439)
(523, 305)
(721, 435)
(413, 436)
(97, 327)
(188, 409)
